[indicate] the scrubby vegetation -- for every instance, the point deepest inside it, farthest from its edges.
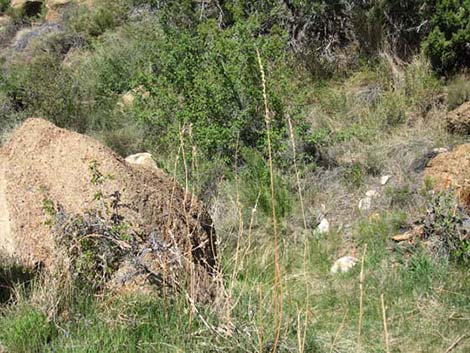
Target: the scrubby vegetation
(354, 90)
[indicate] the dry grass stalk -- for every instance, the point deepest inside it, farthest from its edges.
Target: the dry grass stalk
(384, 315)
(297, 174)
(300, 337)
(301, 199)
(260, 319)
(456, 343)
(338, 332)
(186, 193)
(361, 301)
(241, 226)
(277, 271)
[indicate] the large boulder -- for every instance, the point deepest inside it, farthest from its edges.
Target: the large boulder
(451, 170)
(58, 185)
(458, 120)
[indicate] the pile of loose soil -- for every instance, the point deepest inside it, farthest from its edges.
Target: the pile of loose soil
(458, 120)
(50, 176)
(451, 170)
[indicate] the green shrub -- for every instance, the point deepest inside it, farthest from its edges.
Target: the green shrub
(102, 16)
(44, 88)
(354, 174)
(4, 4)
(209, 79)
(447, 43)
(421, 84)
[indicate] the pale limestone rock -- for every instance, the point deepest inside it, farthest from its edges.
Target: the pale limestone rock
(384, 179)
(144, 158)
(440, 150)
(372, 193)
(365, 204)
(323, 227)
(343, 264)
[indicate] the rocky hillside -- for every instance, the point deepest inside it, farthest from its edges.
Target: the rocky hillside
(326, 143)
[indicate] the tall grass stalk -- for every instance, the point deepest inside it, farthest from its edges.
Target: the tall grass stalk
(277, 271)
(361, 301)
(241, 226)
(186, 213)
(384, 316)
(301, 199)
(296, 169)
(338, 332)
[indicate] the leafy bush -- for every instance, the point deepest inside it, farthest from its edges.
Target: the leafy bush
(209, 79)
(354, 175)
(95, 20)
(447, 43)
(4, 4)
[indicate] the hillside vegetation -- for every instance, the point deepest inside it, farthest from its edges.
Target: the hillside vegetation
(277, 114)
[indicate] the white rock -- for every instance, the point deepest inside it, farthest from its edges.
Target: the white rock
(343, 264)
(144, 158)
(440, 150)
(323, 227)
(384, 179)
(365, 204)
(372, 193)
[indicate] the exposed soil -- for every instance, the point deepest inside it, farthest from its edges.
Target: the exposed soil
(45, 164)
(451, 170)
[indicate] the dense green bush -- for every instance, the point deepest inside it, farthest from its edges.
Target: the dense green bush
(4, 4)
(102, 16)
(447, 43)
(208, 79)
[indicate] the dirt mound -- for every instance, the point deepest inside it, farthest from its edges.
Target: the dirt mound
(451, 170)
(63, 186)
(458, 120)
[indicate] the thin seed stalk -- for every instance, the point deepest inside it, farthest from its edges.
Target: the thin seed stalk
(277, 271)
